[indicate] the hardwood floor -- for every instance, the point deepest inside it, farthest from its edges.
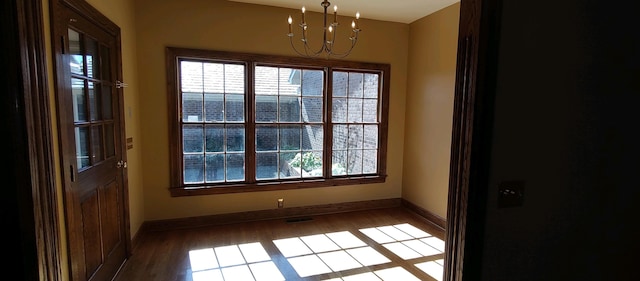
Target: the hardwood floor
(309, 248)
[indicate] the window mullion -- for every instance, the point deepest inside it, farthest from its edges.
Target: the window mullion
(327, 124)
(250, 124)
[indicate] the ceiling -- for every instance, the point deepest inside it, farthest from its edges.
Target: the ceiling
(402, 11)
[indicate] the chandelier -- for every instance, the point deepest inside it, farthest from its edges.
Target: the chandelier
(328, 35)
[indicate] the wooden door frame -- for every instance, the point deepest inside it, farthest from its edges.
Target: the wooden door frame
(471, 136)
(31, 134)
(464, 236)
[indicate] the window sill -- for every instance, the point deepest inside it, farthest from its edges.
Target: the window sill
(271, 186)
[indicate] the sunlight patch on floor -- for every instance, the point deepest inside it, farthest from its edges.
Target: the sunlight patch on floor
(330, 252)
(249, 262)
(434, 269)
(327, 253)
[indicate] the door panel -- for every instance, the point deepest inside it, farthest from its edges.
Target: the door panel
(91, 136)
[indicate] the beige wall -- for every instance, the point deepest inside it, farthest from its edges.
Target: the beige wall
(231, 26)
(429, 110)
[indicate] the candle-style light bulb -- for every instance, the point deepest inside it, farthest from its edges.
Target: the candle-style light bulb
(330, 29)
(357, 15)
(303, 9)
(353, 24)
(335, 13)
(289, 20)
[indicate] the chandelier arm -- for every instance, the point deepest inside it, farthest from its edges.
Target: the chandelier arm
(328, 40)
(347, 52)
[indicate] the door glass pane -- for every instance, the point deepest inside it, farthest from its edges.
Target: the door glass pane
(109, 140)
(107, 111)
(79, 106)
(105, 63)
(93, 62)
(95, 109)
(96, 143)
(76, 63)
(82, 147)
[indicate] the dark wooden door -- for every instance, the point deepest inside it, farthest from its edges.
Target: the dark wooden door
(91, 135)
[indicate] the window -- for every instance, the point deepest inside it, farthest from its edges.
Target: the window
(246, 122)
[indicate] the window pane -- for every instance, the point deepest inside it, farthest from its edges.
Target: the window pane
(235, 167)
(312, 137)
(290, 137)
(214, 138)
(356, 135)
(234, 108)
(370, 161)
(213, 78)
(355, 110)
(371, 85)
(340, 84)
(266, 108)
(340, 137)
(266, 81)
(355, 85)
(312, 109)
(193, 168)
(193, 138)
(234, 79)
(339, 162)
(288, 167)
(213, 107)
(266, 138)
(266, 166)
(215, 167)
(289, 82)
(371, 136)
(339, 110)
(191, 76)
(370, 111)
(235, 137)
(191, 107)
(354, 165)
(312, 164)
(105, 63)
(289, 109)
(312, 82)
